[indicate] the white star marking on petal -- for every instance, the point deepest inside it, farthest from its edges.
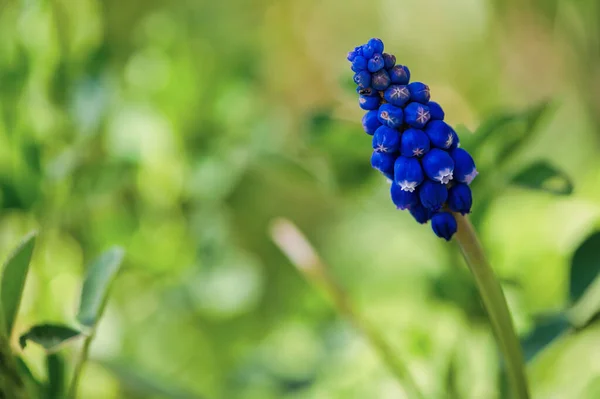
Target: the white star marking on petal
(381, 148)
(469, 178)
(422, 115)
(406, 185)
(417, 152)
(449, 140)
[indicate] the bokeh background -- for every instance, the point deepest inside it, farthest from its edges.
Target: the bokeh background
(181, 129)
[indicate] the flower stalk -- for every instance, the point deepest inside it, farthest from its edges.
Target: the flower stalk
(495, 305)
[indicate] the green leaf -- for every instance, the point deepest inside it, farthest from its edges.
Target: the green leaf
(13, 280)
(96, 285)
(543, 176)
(144, 384)
(585, 266)
(547, 329)
(34, 387)
(50, 336)
(55, 388)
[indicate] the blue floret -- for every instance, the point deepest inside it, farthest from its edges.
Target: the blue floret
(386, 139)
(419, 92)
(433, 194)
(443, 225)
(416, 115)
(400, 75)
(370, 122)
(390, 115)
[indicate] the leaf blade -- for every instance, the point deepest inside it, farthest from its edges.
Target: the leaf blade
(14, 275)
(547, 329)
(585, 266)
(96, 285)
(541, 175)
(50, 336)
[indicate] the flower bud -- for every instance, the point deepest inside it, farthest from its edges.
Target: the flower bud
(375, 63)
(436, 111)
(420, 213)
(390, 116)
(370, 122)
(362, 79)
(354, 53)
(359, 64)
(400, 75)
(460, 198)
(440, 134)
(419, 92)
(403, 199)
(443, 225)
(367, 51)
(438, 165)
(433, 194)
(386, 139)
(389, 60)
(408, 173)
(397, 95)
(369, 102)
(414, 143)
(380, 80)
(416, 115)
(376, 44)
(464, 166)
(384, 162)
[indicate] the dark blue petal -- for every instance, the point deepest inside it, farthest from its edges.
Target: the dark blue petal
(403, 199)
(383, 162)
(376, 63)
(376, 44)
(367, 51)
(390, 115)
(433, 194)
(460, 198)
(436, 111)
(438, 165)
(397, 95)
(386, 139)
(443, 225)
(420, 213)
(408, 173)
(416, 115)
(440, 134)
(359, 64)
(464, 166)
(419, 92)
(414, 143)
(380, 80)
(363, 79)
(389, 60)
(370, 122)
(400, 75)
(368, 103)
(354, 53)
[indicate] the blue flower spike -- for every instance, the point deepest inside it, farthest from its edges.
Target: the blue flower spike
(433, 195)
(412, 145)
(443, 225)
(419, 92)
(464, 164)
(370, 122)
(386, 139)
(416, 115)
(408, 173)
(438, 166)
(460, 198)
(390, 116)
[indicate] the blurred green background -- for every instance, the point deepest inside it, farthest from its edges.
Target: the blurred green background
(181, 129)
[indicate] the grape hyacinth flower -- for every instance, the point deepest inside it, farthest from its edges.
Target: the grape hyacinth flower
(430, 175)
(412, 145)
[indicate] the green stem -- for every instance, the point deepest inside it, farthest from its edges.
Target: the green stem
(495, 304)
(83, 355)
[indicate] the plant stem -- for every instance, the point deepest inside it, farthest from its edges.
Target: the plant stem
(495, 304)
(83, 355)
(302, 255)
